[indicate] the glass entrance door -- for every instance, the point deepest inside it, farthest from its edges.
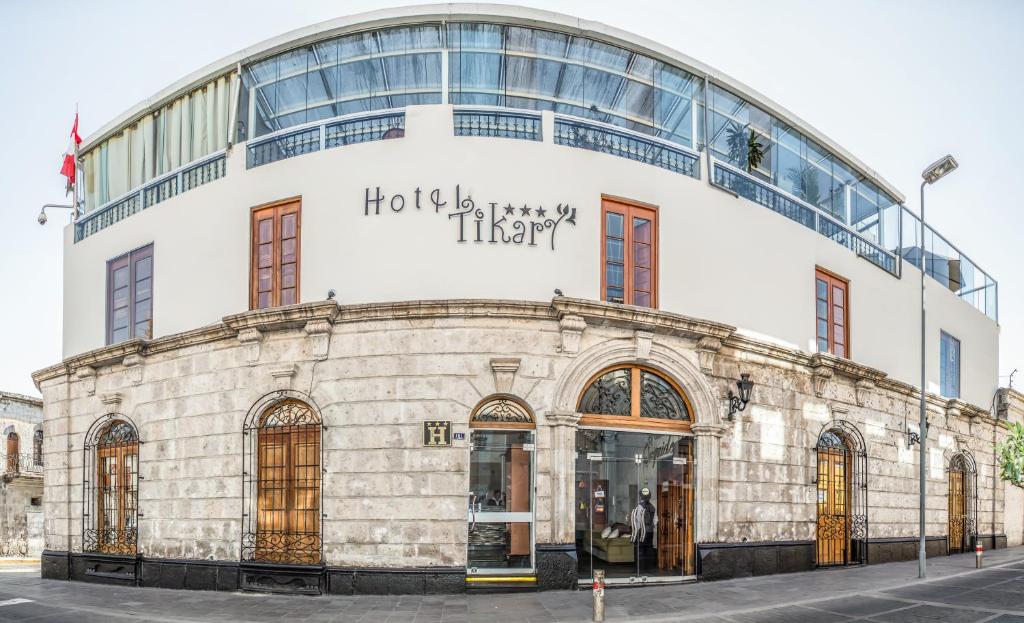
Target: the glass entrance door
(500, 511)
(633, 506)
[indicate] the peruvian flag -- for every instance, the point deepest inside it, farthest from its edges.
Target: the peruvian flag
(68, 168)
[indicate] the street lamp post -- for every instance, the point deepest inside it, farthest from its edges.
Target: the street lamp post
(932, 174)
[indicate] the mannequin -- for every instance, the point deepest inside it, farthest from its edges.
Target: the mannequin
(642, 519)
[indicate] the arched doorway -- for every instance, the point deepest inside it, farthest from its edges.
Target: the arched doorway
(634, 475)
(842, 526)
(501, 490)
(110, 517)
(282, 481)
(962, 502)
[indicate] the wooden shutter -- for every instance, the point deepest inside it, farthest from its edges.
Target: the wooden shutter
(274, 265)
(130, 296)
(629, 254)
(832, 316)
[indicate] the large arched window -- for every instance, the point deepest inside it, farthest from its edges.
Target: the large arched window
(110, 518)
(634, 396)
(12, 453)
(282, 482)
(842, 526)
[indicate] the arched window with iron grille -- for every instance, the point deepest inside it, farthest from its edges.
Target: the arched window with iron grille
(110, 514)
(842, 502)
(282, 480)
(962, 502)
(37, 446)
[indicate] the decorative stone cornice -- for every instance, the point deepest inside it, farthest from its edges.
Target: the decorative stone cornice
(287, 317)
(567, 418)
(956, 408)
(822, 377)
(846, 367)
(707, 348)
(504, 371)
(9, 397)
(597, 313)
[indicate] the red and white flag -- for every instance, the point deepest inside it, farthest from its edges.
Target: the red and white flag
(68, 168)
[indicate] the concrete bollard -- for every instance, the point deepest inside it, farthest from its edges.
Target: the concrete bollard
(598, 595)
(978, 553)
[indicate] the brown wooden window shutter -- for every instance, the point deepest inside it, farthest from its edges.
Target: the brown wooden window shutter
(274, 265)
(832, 313)
(629, 253)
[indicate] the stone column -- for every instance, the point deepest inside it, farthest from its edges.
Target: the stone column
(563, 475)
(708, 442)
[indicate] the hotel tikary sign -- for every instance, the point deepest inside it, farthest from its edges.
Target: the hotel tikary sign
(494, 222)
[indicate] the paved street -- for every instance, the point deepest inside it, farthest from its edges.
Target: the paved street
(954, 592)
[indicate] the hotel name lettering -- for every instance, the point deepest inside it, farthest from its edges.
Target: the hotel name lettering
(493, 222)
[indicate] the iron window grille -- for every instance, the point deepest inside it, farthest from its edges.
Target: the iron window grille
(842, 496)
(110, 480)
(282, 480)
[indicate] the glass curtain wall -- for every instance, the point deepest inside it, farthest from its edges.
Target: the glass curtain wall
(762, 145)
(373, 70)
(519, 67)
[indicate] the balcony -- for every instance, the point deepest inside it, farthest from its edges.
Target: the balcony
(608, 139)
(21, 465)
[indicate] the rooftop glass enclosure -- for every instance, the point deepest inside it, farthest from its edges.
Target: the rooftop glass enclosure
(492, 65)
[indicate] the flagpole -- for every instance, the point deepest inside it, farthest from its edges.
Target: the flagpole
(74, 186)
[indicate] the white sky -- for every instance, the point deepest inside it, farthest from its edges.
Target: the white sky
(898, 83)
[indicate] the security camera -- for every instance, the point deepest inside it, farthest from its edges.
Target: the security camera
(331, 294)
(42, 218)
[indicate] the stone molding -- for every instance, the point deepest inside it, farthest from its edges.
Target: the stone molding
(572, 315)
(250, 339)
(567, 418)
(87, 376)
(707, 348)
(570, 329)
(133, 366)
(504, 371)
(708, 430)
(863, 389)
(319, 332)
(642, 342)
(822, 379)
(111, 401)
(283, 374)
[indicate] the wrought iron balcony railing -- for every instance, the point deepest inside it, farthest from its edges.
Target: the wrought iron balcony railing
(21, 464)
(324, 135)
(183, 179)
(498, 124)
(749, 187)
(609, 139)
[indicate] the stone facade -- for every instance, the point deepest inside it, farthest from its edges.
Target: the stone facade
(21, 486)
(394, 509)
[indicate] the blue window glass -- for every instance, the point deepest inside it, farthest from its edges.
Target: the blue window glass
(949, 365)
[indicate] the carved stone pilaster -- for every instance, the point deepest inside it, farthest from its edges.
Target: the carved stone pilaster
(86, 375)
(319, 332)
(642, 342)
(504, 371)
(111, 401)
(571, 328)
(707, 446)
(283, 375)
(839, 412)
(250, 339)
(863, 391)
(133, 367)
(563, 472)
(822, 377)
(707, 348)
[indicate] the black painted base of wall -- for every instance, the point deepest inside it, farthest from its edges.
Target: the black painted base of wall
(896, 549)
(990, 541)
(721, 561)
(556, 566)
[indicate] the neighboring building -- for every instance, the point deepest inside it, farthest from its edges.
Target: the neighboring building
(21, 483)
(221, 421)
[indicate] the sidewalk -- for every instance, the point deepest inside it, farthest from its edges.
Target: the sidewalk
(954, 591)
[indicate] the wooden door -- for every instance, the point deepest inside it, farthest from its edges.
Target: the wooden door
(670, 520)
(117, 466)
(12, 453)
(288, 505)
(518, 500)
(957, 512)
(833, 531)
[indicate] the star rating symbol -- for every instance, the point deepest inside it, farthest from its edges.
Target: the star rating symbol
(541, 212)
(525, 211)
(509, 210)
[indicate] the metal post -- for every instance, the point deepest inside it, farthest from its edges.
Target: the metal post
(598, 595)
(978, 552)
(921, 557)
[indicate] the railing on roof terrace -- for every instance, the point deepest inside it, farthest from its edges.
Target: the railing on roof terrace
(608, 139)
(173, 183)
(949, 266)
(498, 124)
(324, 135)
(749, 187)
